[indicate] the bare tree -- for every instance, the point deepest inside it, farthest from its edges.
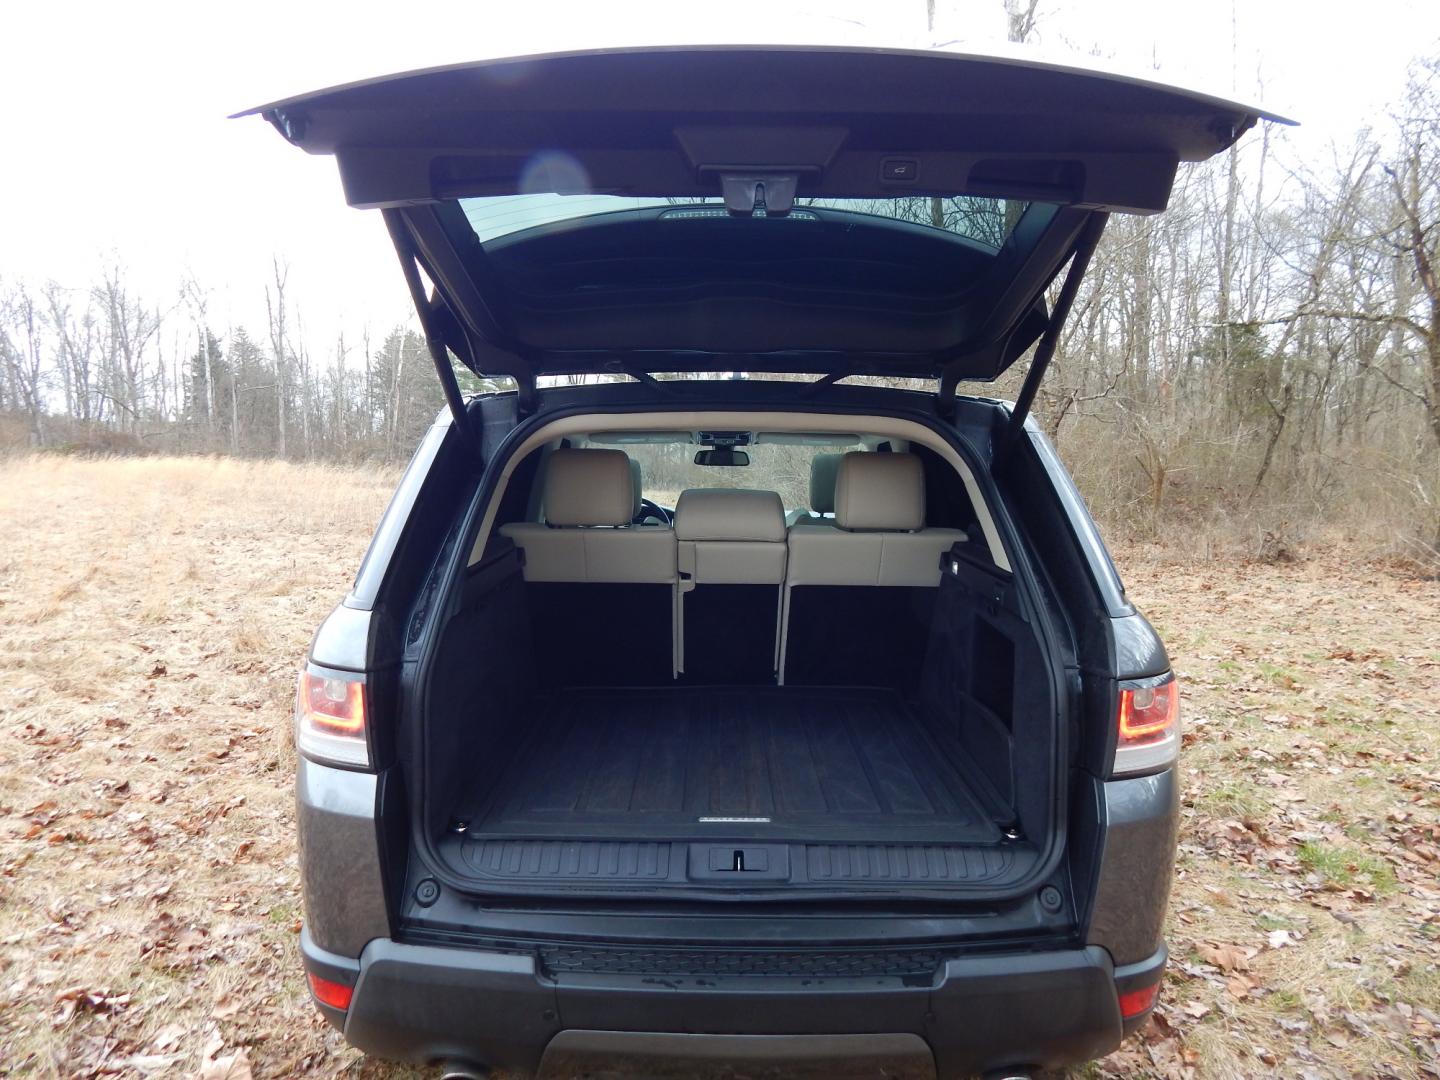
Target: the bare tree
(275, 312)
(1020, 19)
(198, 301)
(129, 328)
(75, 344)
(20, 352)
(1415, 188)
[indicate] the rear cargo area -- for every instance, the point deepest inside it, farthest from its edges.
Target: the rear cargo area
(835, 785)
(547, 771)
(772, 762)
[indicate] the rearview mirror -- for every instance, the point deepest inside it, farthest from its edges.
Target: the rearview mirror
(721, 457)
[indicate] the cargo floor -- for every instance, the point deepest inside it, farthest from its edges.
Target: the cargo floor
(780, 764)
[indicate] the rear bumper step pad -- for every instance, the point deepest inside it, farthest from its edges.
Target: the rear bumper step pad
(423, 1003)
(617, 862)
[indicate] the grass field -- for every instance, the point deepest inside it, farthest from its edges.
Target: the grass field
(152, 615)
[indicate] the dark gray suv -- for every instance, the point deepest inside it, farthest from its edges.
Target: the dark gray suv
(722, 689)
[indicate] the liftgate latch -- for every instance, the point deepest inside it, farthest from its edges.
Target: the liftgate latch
(740, 860)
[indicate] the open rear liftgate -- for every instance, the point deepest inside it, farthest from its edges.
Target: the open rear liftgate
(755, 129)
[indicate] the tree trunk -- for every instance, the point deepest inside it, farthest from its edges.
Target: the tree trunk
(276, 313)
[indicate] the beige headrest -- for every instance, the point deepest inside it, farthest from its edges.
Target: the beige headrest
(589, 487)
(824, 468)
(729, 514)
(880, 492)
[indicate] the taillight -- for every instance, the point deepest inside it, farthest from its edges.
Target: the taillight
(330, 718)
(1135, 1003)
(336, 995)
(1148, 738)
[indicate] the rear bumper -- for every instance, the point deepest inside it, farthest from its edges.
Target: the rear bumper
(424, 1003)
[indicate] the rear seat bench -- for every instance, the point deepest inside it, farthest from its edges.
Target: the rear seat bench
(730, 595)
(600, 592)
(859, 591)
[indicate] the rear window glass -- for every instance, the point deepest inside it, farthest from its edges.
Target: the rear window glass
(666, 469)
(985, 221)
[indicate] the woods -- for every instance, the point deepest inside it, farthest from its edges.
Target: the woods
(101, 370)
(1268, 345)
(1265, 354)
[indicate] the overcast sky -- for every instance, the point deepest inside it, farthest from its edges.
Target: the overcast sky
(116, 142)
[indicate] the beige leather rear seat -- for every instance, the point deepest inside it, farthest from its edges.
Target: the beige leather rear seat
(732, 553)
(731, 536)
(601, 592)
(878, 538)
(588, 503)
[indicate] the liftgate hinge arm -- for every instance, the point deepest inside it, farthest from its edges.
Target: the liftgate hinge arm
(434, 341)
(1085, 246)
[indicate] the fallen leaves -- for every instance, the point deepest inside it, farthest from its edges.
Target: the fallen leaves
(75, 999)
(167, 1038)
(234, 1066)
(1307, 906)
(1241, 986)
(1226, 957)
(148, 882)
(216, 1064)
(146, 1064)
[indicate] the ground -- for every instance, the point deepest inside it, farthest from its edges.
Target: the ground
(152, 616)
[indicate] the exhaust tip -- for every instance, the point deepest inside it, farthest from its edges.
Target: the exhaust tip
(458, 1070)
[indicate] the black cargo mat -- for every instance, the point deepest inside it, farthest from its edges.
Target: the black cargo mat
(828, 766)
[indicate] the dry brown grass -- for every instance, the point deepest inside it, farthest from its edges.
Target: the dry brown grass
(1311, 826)
(152, 614)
